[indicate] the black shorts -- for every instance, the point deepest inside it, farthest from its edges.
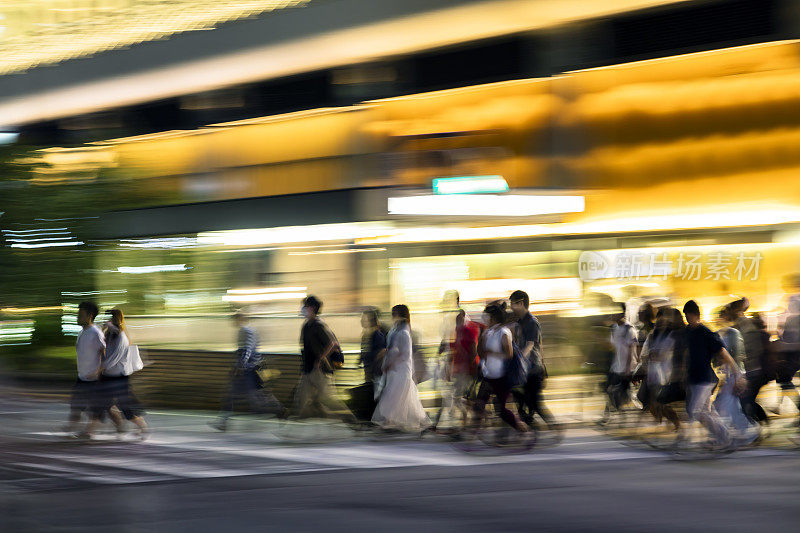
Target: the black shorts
(116, 390)
(86, 397)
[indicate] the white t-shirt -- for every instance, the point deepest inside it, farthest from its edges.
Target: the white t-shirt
(494, 365)
(116, 354)
(625, 340)
(88, 347)
(659, 352)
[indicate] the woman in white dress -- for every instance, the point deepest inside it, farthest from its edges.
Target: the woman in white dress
(399, 406)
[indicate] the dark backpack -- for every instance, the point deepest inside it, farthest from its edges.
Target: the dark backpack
(336, 357)
(516, 368)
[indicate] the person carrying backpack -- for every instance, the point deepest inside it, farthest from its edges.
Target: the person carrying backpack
(496, 350)
(321, 353)
(529, 341)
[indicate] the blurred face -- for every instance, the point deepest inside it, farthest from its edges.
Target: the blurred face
(365, 321)
(84, 318)
(692, 319)
(519, 308)
(487, 319)
(306, 312)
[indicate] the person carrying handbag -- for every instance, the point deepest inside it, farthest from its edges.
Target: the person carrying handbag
(121, 360)
(245, 381)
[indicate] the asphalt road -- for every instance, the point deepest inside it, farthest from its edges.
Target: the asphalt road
(322, 477)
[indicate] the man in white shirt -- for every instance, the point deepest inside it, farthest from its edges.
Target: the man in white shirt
(624, 338)
(90, 349)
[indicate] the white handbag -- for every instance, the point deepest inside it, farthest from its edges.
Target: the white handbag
(133, 363)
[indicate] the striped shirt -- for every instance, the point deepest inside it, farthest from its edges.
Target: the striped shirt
(248, 356)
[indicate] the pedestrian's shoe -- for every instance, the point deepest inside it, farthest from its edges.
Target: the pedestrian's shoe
(219, 425)
(68, 429)
(83, 436)
(751, 436)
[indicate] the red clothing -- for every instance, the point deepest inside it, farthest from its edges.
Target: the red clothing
(464, 349)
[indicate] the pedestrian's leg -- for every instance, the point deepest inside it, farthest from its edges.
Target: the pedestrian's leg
(481, 399)
(520, 396)
(100, 401)
(228, 404)
(536, 402)
(329, 401)
(117, 420)
(701, 411)
(669, 413)
(260, 399)
(78, 403)
(460, 386)
(234, 392)
(501, 394)
(303, 397)
(448, 400)
(131, 408)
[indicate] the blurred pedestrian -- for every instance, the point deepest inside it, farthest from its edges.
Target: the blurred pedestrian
(727, 402)
(399, 407)
(658, 357)
(787, 354)
(756, 357)
(625, 340)
(117, 368)
(459, 369)
(645, 324)
(90, 349)
(703, 347)
(528, 339)
(245, 383)
(316, 392)
(495, 349)
(373, 349)
(373, 343)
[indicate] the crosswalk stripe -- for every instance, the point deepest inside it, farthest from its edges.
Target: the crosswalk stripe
(104, 478)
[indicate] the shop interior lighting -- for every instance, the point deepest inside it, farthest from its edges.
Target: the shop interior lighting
(292, 234)
(49, 31)
(505, 205)
(729, 217)
(340, 251)
(267, 290)
(265, 294)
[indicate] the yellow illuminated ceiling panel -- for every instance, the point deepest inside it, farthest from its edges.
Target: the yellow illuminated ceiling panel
(40, 32)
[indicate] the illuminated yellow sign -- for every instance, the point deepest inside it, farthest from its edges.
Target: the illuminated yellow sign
(51, 31)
